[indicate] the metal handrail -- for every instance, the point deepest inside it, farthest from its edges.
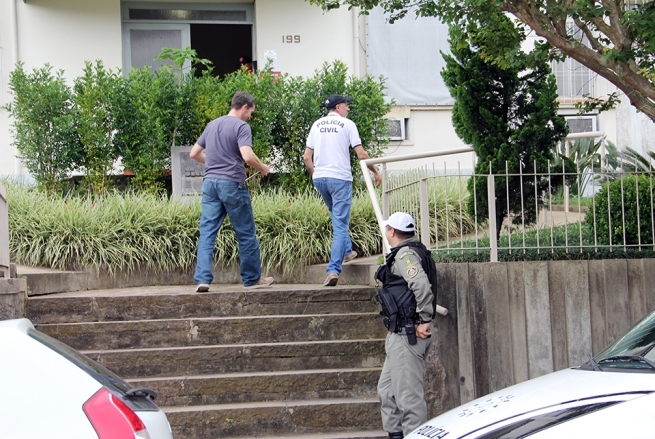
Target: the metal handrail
(384, 160)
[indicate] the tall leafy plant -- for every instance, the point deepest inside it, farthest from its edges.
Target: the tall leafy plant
(94, 98)
(145, 121)
(509, 116)
(44, 125)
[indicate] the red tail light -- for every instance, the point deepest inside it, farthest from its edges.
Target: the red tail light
(112, 419)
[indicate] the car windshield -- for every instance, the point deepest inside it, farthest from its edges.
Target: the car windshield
(633, 350)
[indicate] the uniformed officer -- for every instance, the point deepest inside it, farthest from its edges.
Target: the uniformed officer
(400, 388)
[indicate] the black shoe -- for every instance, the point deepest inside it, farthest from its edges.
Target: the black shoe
(396, 435)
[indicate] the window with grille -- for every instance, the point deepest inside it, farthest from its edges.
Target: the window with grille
(573, 79)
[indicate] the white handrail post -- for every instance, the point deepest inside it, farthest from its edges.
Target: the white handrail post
(491, 201)
(566, 186)
(374, 201)
(425, 212)
(385, 193)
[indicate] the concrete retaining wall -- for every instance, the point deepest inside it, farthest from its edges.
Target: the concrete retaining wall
(509, 322)
(12, 298)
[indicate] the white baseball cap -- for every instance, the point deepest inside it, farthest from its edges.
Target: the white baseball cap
(401, 221)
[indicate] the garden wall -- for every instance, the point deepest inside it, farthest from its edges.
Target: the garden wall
(512, 321)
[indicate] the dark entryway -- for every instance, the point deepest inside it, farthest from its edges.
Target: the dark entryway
(222, 44)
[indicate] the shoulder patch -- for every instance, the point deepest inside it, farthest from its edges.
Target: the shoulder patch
(412, 271)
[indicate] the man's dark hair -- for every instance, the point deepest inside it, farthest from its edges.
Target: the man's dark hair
(242, 98)
(403, 235)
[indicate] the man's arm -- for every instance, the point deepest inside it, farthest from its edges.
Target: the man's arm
(308, 158)
(410, 268)
(198, 153)
(252, 160)
(363, 155)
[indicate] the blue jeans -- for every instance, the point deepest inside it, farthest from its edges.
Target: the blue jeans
(338, 197)
(220, 198)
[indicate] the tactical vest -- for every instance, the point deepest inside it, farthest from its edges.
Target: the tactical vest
(397, 300)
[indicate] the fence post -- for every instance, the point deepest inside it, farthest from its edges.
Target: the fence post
(4, 234)
(566, 186)
(491, 200)
(425, 212)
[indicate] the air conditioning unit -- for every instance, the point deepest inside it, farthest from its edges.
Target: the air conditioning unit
(396, 128)
(581, 124)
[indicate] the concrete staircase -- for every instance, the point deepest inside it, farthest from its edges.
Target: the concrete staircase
(286, 361)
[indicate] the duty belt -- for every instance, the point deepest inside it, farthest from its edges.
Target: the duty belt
(403, 330)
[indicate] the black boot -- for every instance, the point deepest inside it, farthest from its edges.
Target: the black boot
(396, 435)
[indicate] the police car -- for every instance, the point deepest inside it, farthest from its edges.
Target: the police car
(50, 390)
(612, 395)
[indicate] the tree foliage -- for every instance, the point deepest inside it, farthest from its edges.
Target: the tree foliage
(620, 35)
(509, 116)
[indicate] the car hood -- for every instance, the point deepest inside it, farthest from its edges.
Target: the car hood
(549, 393)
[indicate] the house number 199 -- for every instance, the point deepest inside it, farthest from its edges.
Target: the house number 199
(291, 38)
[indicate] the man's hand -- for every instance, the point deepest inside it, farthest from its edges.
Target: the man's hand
(264, 169)
(423, 330)
(378, 178)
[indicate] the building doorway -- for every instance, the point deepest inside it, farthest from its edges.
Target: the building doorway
(222, 44)
(221, 33)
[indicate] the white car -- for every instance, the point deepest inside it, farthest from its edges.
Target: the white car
(612, 395)
(49, 390)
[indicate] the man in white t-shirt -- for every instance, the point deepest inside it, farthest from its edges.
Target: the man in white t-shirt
(327, 157)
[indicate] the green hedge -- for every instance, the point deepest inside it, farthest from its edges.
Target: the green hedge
(106, 116)
(630, 202)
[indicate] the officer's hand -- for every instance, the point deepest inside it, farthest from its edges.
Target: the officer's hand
(423, 330)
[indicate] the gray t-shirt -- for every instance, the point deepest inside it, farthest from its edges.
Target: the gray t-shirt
(222, 139)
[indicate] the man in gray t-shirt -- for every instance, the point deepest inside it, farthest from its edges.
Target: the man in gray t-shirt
(223, 147)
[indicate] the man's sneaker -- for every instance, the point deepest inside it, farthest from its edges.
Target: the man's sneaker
(349, 257)
(262, 282)
(331, 280)
(202, 288)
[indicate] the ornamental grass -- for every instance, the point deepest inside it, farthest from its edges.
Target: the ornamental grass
(129, 231)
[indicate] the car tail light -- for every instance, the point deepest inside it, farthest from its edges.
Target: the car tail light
(112, 419)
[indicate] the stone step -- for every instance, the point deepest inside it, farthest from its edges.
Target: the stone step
(42, 280)
(263, 386)
(274, 418)
(175, 302)
(167, 362)
(216, 331)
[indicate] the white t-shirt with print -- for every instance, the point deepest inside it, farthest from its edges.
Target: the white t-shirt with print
(331, 137)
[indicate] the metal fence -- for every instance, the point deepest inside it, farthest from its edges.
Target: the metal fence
(541, 219)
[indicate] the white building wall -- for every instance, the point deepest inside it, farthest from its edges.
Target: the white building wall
(7, 57)
(430, 129)
(63, 33)
(323, 37)
(635, 130)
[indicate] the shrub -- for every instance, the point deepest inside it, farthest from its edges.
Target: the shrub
(44, 126)
(94, 97)
(635, 194)
(145, 123)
